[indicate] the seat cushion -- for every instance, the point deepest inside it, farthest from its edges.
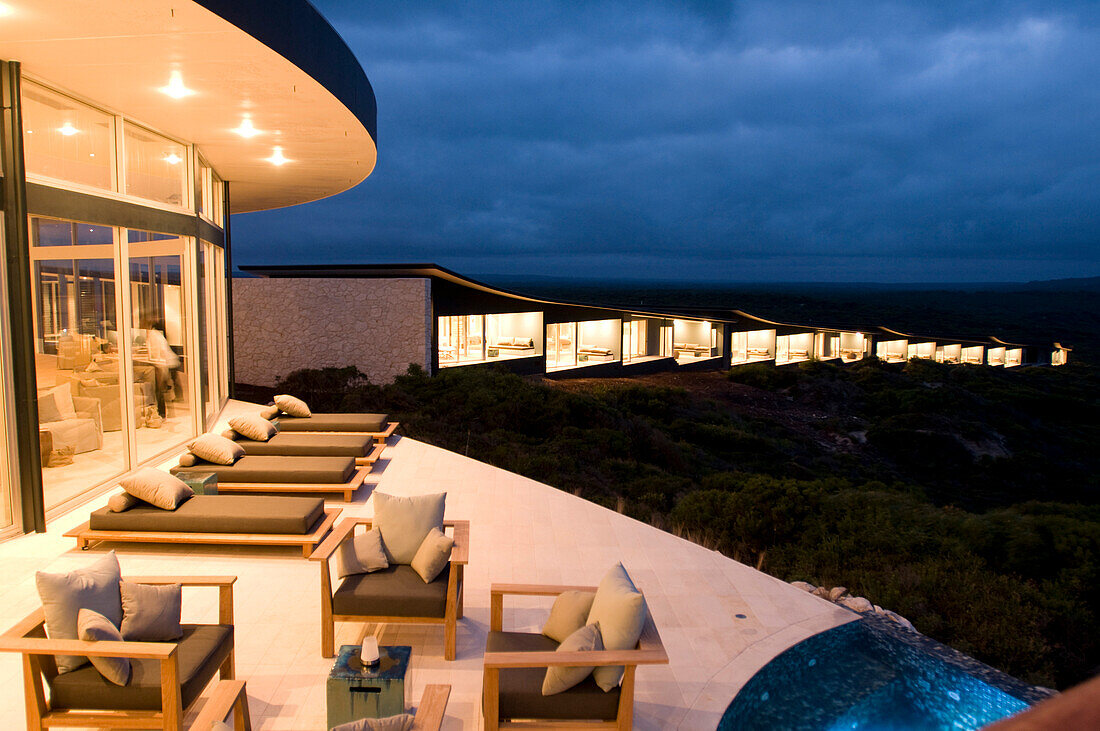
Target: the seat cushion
(334, 422)
(521, 688)
(397, 591)
(276, 469)
(219, 514)
(305, 444)
(202, 650)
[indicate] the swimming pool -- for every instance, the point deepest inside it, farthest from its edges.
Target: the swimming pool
(871, 674)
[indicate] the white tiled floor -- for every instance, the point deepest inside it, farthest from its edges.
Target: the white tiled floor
(521, 531)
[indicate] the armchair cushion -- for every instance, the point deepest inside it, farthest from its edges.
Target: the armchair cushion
(400, 722)
(150, 612)
(521, 688)
(561, 678)
(433, 555)
(406, 521)
(619, 608)
(64, 595)
(63, 398)
(47, 408)
(361, 555)
(94, 627)
(201, 651)
(569, 614)
(396, 591)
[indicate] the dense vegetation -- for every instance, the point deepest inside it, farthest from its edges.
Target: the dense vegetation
(962, 497)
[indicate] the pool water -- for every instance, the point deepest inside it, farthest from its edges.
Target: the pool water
(871, 674)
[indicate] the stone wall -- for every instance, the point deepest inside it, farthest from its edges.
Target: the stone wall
(379, 326)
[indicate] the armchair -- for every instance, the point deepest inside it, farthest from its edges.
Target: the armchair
(516, 662)
(396, 594)
(229, 699)
(83, 433)
(167, 677)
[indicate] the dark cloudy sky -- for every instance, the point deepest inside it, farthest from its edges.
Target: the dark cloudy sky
(759, 140)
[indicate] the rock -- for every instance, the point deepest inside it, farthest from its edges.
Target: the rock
(857, 604)
(836, 592)
(878, 609)
(821, 591)
(803, 585)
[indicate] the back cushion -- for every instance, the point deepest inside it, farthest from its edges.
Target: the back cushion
(405, 522)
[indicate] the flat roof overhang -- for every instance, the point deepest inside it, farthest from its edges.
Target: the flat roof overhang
(277, 61)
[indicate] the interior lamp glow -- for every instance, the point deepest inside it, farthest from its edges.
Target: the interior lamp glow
(277, 157)
(67, 129)
(5, 10)
(175, 87)
(172, 158)
(246, 129)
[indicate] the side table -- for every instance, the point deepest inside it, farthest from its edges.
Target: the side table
(203, 483)
(355, 693)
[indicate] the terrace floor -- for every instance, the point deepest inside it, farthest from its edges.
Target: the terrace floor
(720, 620)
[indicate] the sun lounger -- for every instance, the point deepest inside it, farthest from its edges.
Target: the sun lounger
(216, 519)
(377, 426)
(313, 444)
(263, 473)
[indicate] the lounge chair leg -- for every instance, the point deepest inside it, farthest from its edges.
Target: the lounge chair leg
(449, 639)
(228, 668)
(328, 639)
(307, 549)
(625, 720)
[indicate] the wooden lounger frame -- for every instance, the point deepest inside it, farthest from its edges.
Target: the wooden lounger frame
(379, 437)
(370, 459)
(346, 488)
(308, 541)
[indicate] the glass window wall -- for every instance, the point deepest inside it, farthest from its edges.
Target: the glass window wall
(575, 344)
(66, 140)
(156, 167)
(852, 346)
(751, 346)
(646, 339)
(892, 351)
(465, 339)
(696, 340)
(793, 348)
(973, 354)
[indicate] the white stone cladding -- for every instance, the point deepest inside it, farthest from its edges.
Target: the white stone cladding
(379, 326)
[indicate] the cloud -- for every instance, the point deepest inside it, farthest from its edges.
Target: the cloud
(631, 137)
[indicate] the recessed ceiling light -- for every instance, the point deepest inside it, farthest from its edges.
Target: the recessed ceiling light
(175, 87)
(246, 129)
(172, 158)
(67, 129)
(277, 157)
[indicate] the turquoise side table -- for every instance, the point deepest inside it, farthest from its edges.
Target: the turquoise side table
(203, 483)
(354, 693)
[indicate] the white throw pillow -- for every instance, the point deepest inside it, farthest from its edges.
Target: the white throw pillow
(216, 449)
(292, 406)
(253, 426)
(433, 555)
(64, 595)
(63, 397)
(619, 609)
(560, 678)
(361, 555)
(157, 488)
(406, 521)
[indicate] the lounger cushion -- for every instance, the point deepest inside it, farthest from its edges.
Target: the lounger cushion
(279, 469)
(304, 444)
(569, 614)
(94, 627)
(253, 426)
(406, 521)
(187, 460)
(292, 405)
(219, 514)
(619, 608)
(122, 502)
(269, 412)
(215, 448)
(397, 591)
(202, 650)
(157, 488)
(521, 688)
(151, 612)
(335, 422)
(94, 587)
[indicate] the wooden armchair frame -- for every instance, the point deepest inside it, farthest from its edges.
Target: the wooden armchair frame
(28, 638)
(460, 556)
(228, 700)
(650, 651)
